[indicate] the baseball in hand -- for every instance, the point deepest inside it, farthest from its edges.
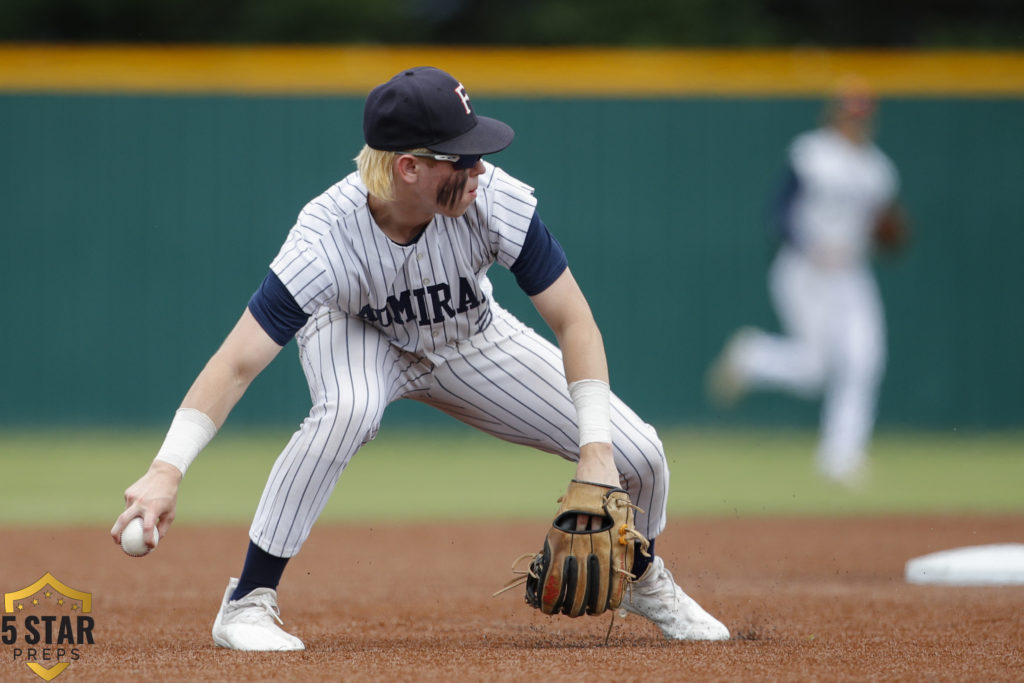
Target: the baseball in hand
(131, 538)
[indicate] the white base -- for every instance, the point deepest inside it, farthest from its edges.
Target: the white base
(1001, 564)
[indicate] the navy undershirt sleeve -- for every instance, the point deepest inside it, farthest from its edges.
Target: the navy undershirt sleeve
(275, 310)
(541, 259)
(783, 207)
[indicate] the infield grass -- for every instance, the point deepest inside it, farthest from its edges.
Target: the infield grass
(72, 477)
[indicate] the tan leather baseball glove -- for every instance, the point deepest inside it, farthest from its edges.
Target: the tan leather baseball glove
(584, 570)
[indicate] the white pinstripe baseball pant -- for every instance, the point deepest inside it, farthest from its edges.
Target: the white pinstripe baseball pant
(507, 381)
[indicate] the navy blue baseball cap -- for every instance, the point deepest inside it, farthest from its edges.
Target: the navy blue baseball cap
(426, 107)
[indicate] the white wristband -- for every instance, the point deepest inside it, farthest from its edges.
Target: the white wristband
(592, 398)
(189, 433)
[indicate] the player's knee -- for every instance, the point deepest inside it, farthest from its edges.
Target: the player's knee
(357, 420)
(867, 362)
(645, 462)
(354, 408)
(813, 372)
(659, 467)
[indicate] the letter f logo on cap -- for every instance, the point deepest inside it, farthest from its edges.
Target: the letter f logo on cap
(461, 92)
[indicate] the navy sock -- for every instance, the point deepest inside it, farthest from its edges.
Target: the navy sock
(261, 570)
(641, 563)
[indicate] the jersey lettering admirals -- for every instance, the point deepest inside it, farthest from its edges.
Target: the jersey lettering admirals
(400, 309)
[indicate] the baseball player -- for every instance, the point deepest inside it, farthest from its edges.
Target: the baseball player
(383, 283)
(841, 188)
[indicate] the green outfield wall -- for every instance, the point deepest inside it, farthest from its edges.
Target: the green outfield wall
(135, 226)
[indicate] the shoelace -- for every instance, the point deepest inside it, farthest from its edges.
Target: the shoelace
(265, 603)
(655, 582)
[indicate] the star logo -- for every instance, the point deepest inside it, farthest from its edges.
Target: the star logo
(45, 636)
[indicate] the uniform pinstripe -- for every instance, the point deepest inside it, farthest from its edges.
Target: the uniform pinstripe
(418, 321)
(377, 320)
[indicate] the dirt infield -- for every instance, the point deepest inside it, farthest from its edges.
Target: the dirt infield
(806, 599)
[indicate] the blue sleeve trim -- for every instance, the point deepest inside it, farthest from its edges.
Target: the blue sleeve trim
(783, 209)
(541, 260)
(275, 310)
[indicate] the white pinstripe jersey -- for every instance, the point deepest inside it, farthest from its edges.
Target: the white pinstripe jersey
(843, 188)
(423, 295)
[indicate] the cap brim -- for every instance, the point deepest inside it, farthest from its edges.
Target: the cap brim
(486, 137)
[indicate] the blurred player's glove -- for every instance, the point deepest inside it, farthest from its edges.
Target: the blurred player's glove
(584, 570)
(892, 229)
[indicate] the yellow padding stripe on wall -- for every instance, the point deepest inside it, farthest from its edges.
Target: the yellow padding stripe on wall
(555, 72)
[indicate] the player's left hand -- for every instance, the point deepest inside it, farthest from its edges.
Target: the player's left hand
(596, 465)
(589, 577)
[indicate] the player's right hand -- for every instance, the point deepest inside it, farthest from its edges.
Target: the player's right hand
(154, 497)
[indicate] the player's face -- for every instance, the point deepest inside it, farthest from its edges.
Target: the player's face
(454, 189)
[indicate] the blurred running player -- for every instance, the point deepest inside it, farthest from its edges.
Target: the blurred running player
(838, 204)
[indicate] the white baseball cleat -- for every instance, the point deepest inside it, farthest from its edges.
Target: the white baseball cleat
(657, 597)
(724, 382)
(248, 623)
(853, 476)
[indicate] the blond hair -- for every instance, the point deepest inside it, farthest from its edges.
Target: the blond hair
(376, 168)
